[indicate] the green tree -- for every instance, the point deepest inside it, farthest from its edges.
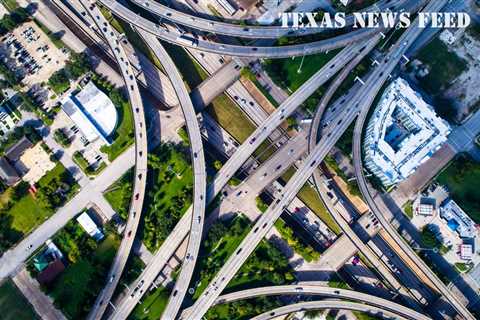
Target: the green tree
(217, 164)
(429, 237)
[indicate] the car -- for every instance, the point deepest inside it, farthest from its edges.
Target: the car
(137, 196)
(129, 233)
(298, 289)
(111, 278)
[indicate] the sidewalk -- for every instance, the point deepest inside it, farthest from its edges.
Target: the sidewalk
(42, 304)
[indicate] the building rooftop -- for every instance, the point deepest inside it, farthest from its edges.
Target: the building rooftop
(403, 132)
(8, 174)
(51, 272)
(458, 220)
(89, 226)
(93, 112)
(15, 152)
(36, 162)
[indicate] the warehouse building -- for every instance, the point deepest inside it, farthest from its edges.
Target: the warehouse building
(93, 113)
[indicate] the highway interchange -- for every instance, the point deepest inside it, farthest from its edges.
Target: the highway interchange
(191, 225)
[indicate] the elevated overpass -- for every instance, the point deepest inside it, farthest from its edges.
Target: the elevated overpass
(379, 312)
(140, 171)
(199, 172)
(328, 292)
(246, 31)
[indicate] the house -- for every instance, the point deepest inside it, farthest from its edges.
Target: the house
(51, 272)
(8, 174)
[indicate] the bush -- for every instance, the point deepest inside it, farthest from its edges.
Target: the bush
(59, 81)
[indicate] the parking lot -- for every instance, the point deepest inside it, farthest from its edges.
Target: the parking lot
(34, 53)
(90, 151)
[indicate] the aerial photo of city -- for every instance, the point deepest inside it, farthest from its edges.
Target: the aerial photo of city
(239, 159)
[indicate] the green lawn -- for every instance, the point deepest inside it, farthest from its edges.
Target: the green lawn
(152, 306)
(119, 194)
(28, 212)
(215, 251)
(123, 136)
(408, 209)
(284, 72)
(445, 66)
(10, 5)
(169, 185)
(71, 289)
(265, 266)
(296, 242)
(311, 199)
(13, 304)
(462, 177)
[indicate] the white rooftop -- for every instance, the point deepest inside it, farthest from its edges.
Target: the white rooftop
(89, 225)
(93, 112)
(403, 132)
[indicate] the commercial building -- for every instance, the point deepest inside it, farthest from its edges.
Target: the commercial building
(403, 132)
(89, 226)
(93, 112)
(458, 220)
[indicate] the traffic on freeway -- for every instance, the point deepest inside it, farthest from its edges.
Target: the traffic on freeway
(272, 187)
(140, 171)
(199, 172)
(434, 6)
(243, 152)
(247, 31)
(306, 289)
(176, 37)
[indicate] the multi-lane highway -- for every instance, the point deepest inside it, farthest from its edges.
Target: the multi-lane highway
(199, 171)
(174, 36)
(321, 181)
(139, 183)
(329, 304)
(244, 31)
(364, 188)
(194, 217)
(305, 289)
